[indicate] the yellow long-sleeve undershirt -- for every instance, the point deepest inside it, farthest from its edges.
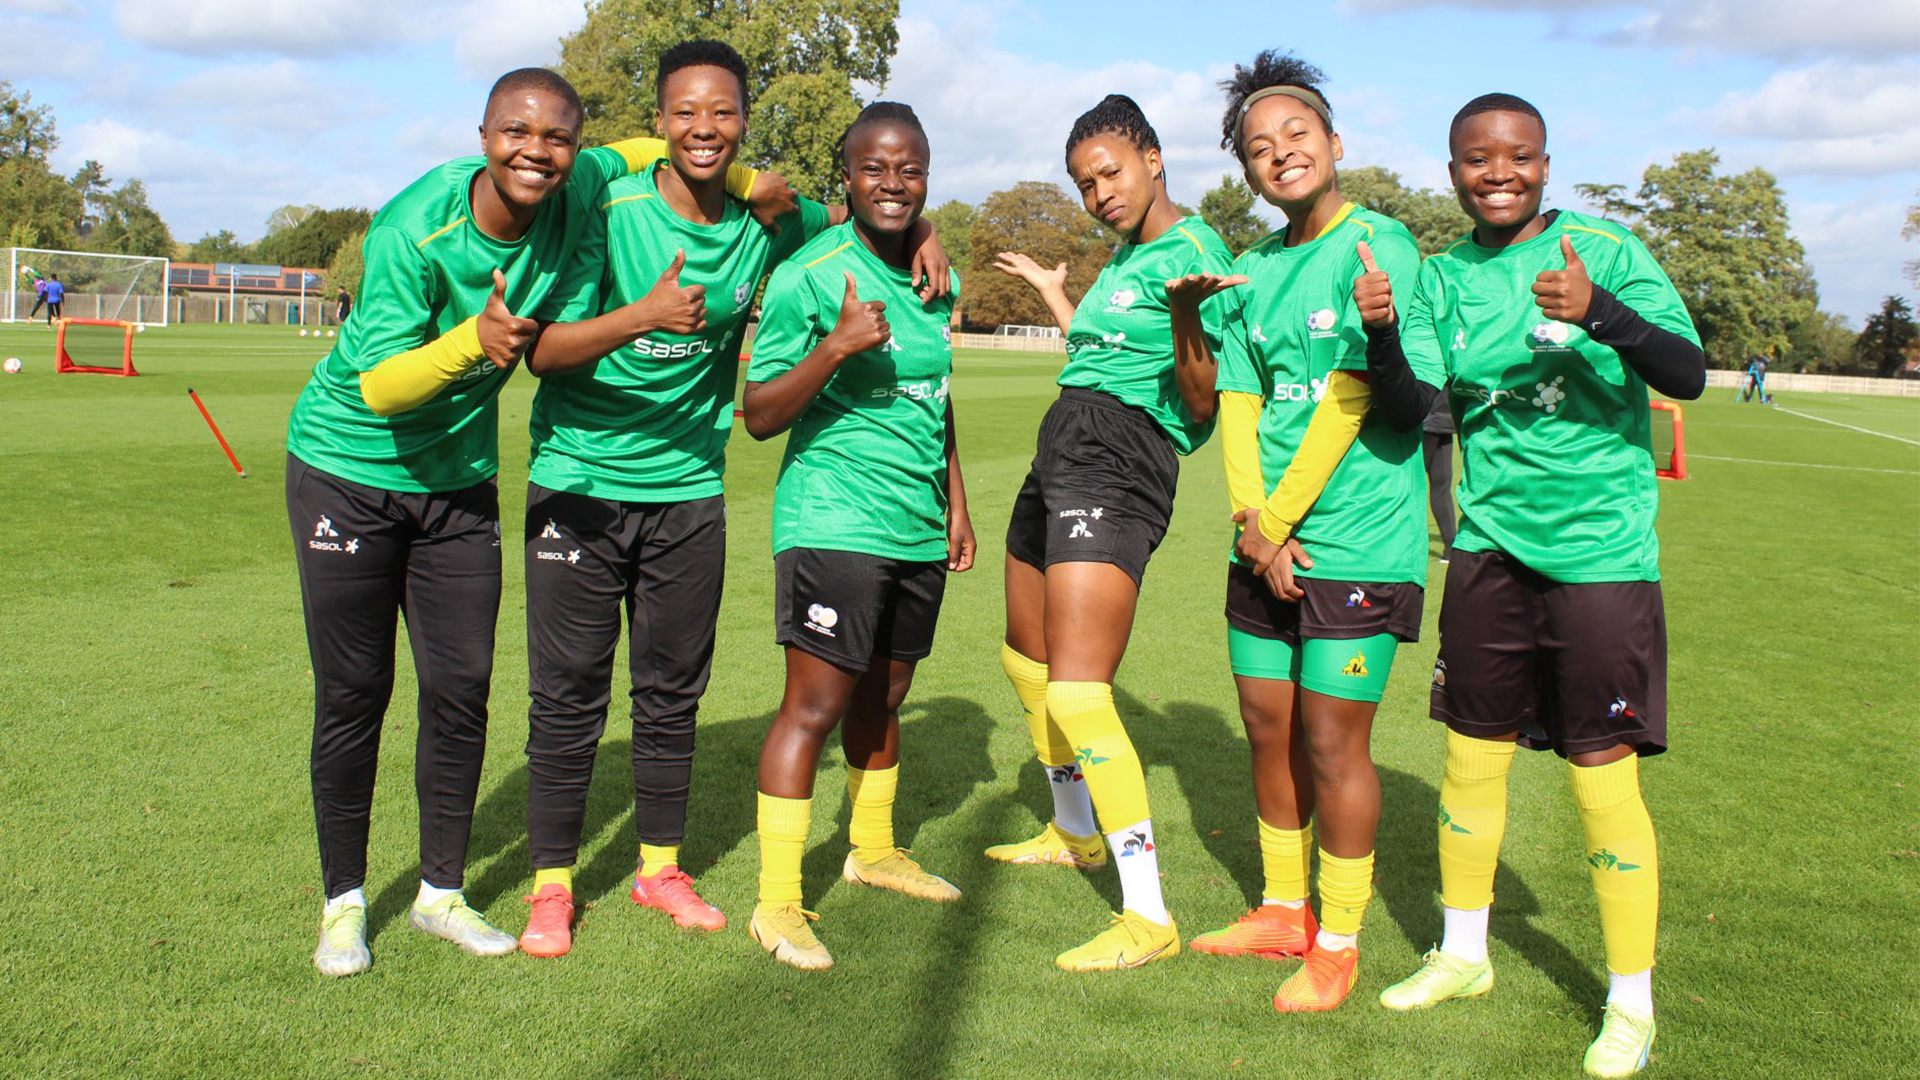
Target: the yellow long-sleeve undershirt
(1330, 433)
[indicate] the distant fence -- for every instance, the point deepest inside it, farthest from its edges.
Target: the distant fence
(1011, 344)
(259, 310)
(1788, 382)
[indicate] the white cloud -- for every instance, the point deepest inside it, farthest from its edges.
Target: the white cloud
(1764, 27)
(1829, 119)
(291, 28)
(500, 35)
(25, 56)
(1856, 251)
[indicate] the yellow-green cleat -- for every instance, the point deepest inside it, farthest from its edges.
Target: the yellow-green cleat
(898, 872)
(1130, 941)
(343, 942)
(782, 930)
(451, 919)
(1625, 1040)
(1442, 977)
(1054, 845)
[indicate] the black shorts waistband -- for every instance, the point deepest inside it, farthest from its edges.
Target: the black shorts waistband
(1084, 396)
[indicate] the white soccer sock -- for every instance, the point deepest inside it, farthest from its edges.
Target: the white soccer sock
(351, 898)
(1139, 864)
(1634, 991)
(1293, 905)
(1466, 934)
(1335, 942)
(1072, 805)
(431, 894)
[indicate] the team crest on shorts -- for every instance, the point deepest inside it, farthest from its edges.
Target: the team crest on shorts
(822, 619)
(1439, 674)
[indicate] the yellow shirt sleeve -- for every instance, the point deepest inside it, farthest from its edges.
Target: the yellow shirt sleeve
(1240, 442)
(410, 379)
(640, 153)
(1335, 424)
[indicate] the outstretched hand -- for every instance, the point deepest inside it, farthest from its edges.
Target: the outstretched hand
(504, 336)
(1023, 267)
(1372, 292)
(1565, 294)
(1189, 291)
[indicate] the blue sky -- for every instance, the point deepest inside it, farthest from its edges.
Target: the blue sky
(230, 108)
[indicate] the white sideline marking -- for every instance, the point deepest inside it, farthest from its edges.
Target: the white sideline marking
(1850, 427)
(1804, 464)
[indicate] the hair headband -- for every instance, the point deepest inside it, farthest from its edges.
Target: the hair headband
(1298, 93)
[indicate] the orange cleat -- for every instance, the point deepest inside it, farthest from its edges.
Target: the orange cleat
(1322, 983)
(549, 923)
(671, 891)
(1272, 931)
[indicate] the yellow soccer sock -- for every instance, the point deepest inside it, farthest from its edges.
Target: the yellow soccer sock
(783, 840)
(1473, 818)
(1285, 858)
(555, 875)
(871, 825)
(1085, 714)
(1345, 887)
(1623, 859)
(1029, 678)
(657, 857)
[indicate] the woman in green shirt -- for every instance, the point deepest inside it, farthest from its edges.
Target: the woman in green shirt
(1136, 394)
(868, 517)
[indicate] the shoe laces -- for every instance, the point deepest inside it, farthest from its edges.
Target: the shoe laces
(1620, 1029)
(547, 899)
(329, 923)
(1324, 968)
(792, 920)
(675, 887)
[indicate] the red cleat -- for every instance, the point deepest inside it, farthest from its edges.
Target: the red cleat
(1273, 931)
(671, 891)
(550, 923)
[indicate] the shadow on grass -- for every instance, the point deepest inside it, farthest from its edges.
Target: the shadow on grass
(907, 976)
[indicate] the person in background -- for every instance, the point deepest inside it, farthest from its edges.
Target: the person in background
(1436, 443)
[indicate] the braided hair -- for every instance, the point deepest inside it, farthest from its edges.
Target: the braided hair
(880, 112)
(1117, 114)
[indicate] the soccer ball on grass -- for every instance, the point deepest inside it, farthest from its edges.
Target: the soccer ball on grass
(12, 366)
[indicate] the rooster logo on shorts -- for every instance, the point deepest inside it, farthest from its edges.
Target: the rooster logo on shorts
(1358, 598)
(1619, 711)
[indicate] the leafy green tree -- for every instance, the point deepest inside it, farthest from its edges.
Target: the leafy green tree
(214, 247)
(26, 130)
(1889, 339)
(1821, 342)
(1610, 200)
(314, 240)
(803, 57)
(1044, 222)
(93, 186)
(1724, 240)
(1229, 209)
(952, 222)
(1433, 217)
(347, 266)
(127, 225)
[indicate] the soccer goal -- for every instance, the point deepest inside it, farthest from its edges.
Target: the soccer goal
(119, 288)
(1669, 441)
(94, 347)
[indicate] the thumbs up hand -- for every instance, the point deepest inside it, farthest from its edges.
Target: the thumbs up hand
(504, 336)
(1372, 292)
(667, 306)
(862, 324)
(1565, 294)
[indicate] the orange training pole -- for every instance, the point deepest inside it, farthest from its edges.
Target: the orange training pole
(215, 428)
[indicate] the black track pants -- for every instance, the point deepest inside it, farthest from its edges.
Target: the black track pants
(366, 556)
(587, 559)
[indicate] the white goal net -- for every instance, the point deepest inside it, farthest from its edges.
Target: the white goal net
(132, 288)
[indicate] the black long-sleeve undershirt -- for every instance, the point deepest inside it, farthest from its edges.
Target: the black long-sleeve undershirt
(1399, 394)
(1666, 361)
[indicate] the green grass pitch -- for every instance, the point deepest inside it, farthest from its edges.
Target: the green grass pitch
(159, 886)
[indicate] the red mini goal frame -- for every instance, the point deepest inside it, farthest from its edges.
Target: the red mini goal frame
(1677, 467)
(64, 365)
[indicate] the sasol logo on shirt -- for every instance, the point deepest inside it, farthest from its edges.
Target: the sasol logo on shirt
(671, 350)
(920, 391)
(1307, 391)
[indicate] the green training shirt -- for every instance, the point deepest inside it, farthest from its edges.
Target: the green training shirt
(1286, 331)
(428, 269)
(1121, 340)
(650, 421)
(866, 463)
(1555, 435)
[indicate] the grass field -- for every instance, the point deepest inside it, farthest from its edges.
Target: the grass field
(159, 885)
